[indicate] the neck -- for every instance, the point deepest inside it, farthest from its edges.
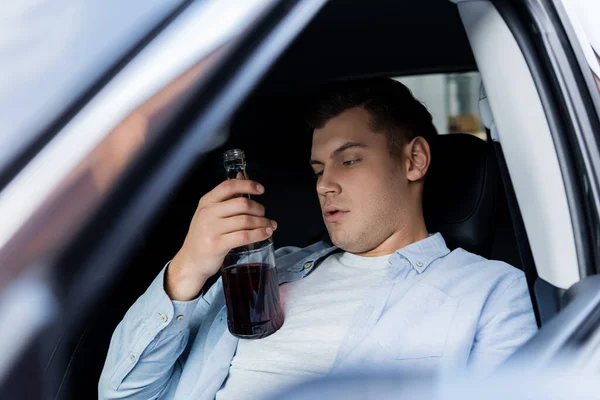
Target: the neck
(399, 239)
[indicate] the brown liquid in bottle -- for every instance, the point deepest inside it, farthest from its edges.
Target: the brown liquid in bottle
(252, 298)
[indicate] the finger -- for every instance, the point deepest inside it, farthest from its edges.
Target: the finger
(237, 206)
(231, 188)
(244, 223)
(242, 238)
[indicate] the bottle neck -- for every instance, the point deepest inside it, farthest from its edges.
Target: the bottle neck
(234, 167)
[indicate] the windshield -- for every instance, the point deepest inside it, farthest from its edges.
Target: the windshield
(52, 51)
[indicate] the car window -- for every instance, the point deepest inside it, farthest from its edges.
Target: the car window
(80, 169)
(452, 99)
(584, 17)
(597, 77)
(52, 51)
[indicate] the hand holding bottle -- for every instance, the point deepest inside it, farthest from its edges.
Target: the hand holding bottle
(224, 219)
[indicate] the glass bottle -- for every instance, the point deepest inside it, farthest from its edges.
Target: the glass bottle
(234, 161)
(249, 276)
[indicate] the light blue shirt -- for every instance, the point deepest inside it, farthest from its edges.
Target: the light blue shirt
(437, 310)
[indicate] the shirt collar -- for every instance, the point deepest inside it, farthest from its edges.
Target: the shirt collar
(422, 253)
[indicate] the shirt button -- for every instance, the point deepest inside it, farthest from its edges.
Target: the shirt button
(132, 358)
(164, 318)
(419, 264)
(180, 318)
(307, 265)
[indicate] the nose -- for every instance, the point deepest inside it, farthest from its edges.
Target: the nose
(328, 184)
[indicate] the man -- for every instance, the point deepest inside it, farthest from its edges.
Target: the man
(387, 294)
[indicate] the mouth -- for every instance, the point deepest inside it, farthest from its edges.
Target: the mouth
(333, 214)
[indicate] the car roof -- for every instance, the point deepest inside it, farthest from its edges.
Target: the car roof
(390, 38)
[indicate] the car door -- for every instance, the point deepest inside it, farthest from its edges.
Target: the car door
(73, 211)
(570, 39)
(550, 60)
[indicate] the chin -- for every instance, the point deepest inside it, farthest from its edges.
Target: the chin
(353, 242)
(335, 239)
(345, 242)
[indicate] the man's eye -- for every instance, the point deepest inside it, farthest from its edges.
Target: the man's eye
(318, 174)
(351, 162)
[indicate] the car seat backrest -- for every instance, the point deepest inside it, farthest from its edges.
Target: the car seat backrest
(460, 193)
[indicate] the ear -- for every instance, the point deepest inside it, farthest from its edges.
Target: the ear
(418, 155)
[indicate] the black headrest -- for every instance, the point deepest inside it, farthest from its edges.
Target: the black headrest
(459, 199)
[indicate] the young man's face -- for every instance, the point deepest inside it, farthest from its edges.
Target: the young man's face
(365, 192)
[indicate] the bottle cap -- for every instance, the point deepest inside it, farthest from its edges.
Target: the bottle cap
(233, 154)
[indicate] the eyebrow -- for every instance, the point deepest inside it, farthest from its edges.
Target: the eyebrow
(341, 149)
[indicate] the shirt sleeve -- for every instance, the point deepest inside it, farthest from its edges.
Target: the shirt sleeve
(506, 323)
(143, 352)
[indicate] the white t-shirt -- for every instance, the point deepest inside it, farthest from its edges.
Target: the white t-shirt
(318, 312)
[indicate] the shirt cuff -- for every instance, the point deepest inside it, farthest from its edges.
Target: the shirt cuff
(170, 316)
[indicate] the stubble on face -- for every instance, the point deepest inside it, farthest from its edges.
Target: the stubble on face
(380, 214)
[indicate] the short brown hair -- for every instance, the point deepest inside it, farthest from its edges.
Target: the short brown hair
(394, 110)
